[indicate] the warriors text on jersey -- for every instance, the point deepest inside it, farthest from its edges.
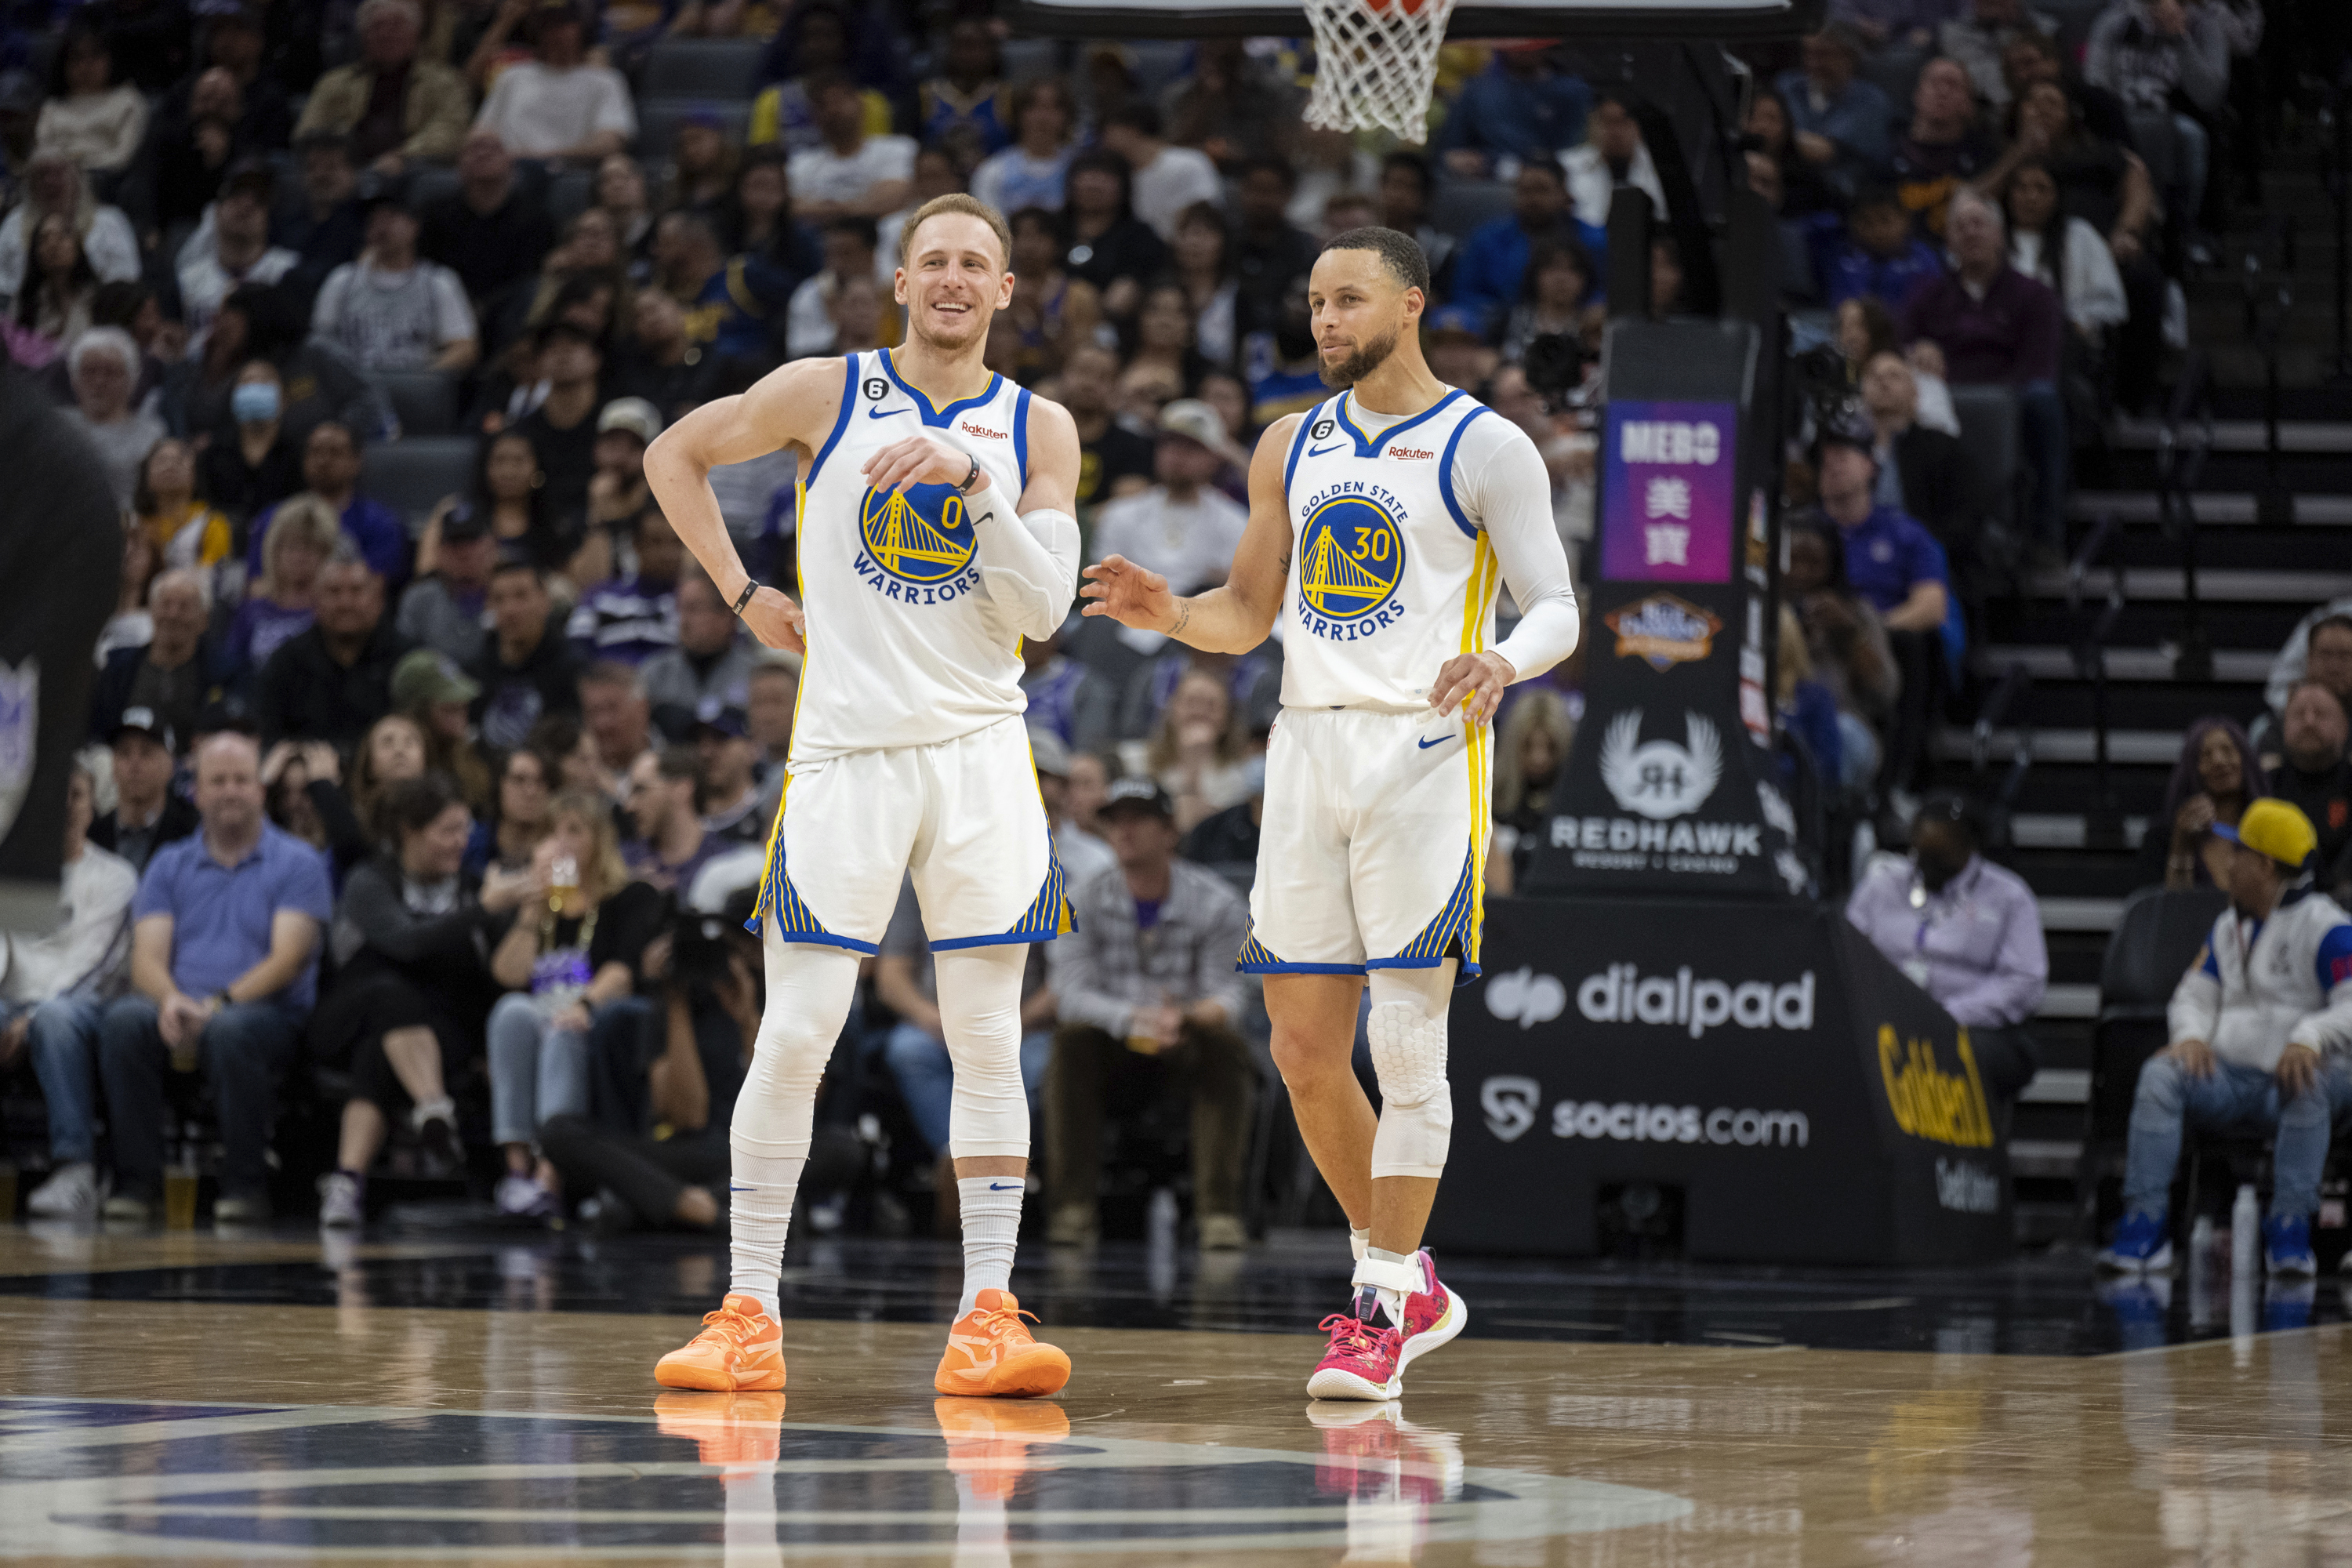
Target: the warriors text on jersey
(905, 648)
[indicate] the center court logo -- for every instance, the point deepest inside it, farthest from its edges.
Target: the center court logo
(1351, 558)
(917, 546)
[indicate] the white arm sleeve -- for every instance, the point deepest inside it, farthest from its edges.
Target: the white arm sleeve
(1510, 496)
(1029, 564)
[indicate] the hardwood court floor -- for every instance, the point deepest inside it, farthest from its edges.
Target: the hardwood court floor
(163, 1397)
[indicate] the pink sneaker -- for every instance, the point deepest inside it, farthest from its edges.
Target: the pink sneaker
(1432, 1316)
(1360, 1361)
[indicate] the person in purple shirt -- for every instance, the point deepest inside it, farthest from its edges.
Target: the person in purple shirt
(1966, 931)
(1995, 327)
(224, 965)
(331, 471)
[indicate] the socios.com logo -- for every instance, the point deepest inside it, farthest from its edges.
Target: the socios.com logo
(1525, 998)
(1510, 1103)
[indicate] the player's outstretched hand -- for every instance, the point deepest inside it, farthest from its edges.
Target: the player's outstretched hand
(776, 621)
(1476, 680)
(1127, 593)
(920, 459)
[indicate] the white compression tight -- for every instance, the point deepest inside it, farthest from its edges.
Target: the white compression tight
(809, 992)
(1407, 1030)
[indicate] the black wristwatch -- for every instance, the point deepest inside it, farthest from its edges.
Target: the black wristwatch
(965, 487)
(750, 586)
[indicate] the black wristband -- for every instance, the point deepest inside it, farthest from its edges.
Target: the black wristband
(750, 586)
(965, 487)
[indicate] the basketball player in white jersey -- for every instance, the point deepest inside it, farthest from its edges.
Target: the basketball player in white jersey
(936, 532)
(1380, 524)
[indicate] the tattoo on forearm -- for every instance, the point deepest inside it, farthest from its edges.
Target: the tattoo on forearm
(1183, 617)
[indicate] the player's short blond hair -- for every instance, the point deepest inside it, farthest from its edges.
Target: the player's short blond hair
(957, 201)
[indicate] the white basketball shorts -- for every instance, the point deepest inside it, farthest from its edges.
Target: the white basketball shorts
(1372, 851)
(962, 816)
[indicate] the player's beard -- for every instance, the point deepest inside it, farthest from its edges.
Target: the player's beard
(918, 326)
(1368, 358)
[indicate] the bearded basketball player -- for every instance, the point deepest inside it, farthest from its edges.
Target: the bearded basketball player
(1379, 523)
(936, 532)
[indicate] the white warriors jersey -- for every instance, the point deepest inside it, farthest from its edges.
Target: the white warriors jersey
(1391, 573)
(905, 646)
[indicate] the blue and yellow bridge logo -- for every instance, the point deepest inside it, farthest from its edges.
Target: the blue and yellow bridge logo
(921, 537)
(1351, 557)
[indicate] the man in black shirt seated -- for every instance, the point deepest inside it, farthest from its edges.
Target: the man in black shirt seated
(2315, 776)
(147, 815)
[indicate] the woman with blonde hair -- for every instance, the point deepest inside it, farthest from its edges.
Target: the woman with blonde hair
(1198, 748)
(302, 538)
(1530, 752)
(576, 947)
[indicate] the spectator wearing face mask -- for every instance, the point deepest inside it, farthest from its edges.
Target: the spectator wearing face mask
(1966, 931)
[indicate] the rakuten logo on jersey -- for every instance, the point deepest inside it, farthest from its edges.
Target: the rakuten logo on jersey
(969, 429)
(1411, 453)
(1622, 994)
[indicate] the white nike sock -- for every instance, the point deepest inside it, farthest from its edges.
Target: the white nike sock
(760, 1199)
(1358, 1238)
(992, 1229)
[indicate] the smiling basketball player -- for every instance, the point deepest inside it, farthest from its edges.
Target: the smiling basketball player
(935, 534)
(1387, 512)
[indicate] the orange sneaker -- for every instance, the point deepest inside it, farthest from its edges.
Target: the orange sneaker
(988, 1353)
(727, 1428)
(989, 1440)
(740, 1350)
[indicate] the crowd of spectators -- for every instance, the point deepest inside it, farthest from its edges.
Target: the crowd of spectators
(500, 763)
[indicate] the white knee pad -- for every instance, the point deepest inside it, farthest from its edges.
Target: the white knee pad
(1407, 1030)
(979, 1011)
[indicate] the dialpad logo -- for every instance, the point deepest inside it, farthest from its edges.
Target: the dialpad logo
(1525, 998)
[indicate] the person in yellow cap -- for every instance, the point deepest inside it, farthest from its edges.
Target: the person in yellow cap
(2257, 1023)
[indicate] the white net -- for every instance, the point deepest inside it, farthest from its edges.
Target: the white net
(1375, 63)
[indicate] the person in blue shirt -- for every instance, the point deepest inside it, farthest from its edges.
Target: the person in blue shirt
(224, 968)
(1892, 561)
(1489, 268)
(1518, 108)
(1842, 127)
(1882, 256)
(330, 470)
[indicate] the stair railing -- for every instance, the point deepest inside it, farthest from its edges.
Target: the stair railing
(2181, 445)
(2103, 824)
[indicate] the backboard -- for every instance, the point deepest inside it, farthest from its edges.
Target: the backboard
(1472, 19)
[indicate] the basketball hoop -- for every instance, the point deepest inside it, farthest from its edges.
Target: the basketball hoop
(1376, 64)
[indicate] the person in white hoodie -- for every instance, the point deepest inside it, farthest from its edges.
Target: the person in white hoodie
(50, 996)
(2254, 1024)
